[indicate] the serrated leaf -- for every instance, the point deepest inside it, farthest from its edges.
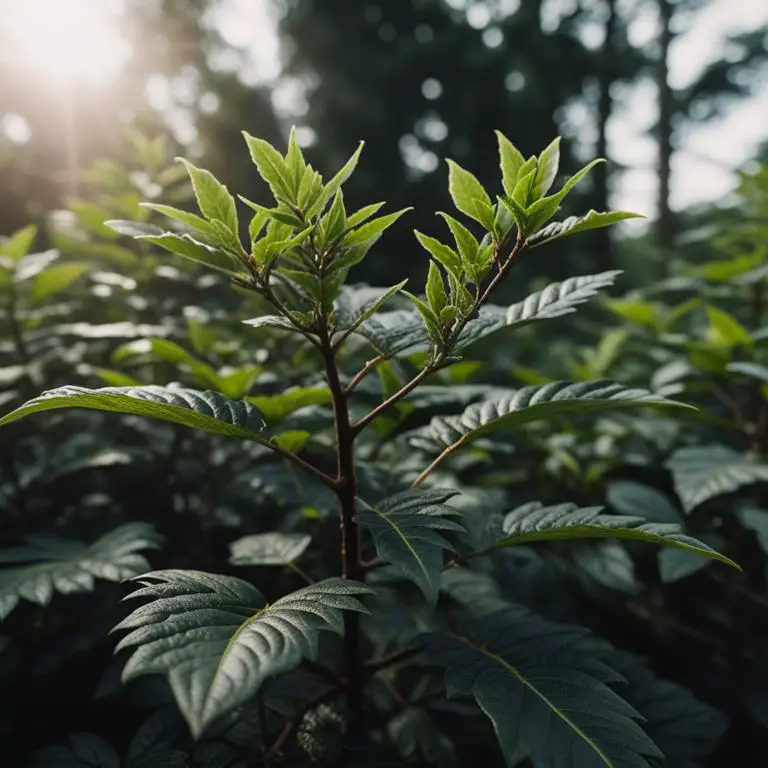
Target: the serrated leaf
(405, 530)
(701, 473)
(555, 300)
(544, 687)
(441, 253)
(192, 220)
(49, 564)
(350, 313)
(466, 242)
(530, 403)
(268, 548)
(469, 196)
(533, 522)
(271, 167)
(206, 411)
(510, 161)
(395, 333)
(54, 280)
(575, 224)
(213, 198)
(217, 640)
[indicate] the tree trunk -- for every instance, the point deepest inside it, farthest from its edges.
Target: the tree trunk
(665, 225)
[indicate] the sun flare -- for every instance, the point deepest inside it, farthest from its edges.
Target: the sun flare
(67, 39)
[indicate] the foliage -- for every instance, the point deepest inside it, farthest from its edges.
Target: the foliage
(290, 420)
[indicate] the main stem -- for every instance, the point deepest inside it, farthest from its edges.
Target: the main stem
(351, 562)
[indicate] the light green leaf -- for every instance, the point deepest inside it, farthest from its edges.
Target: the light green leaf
(575, 224)
(116, 378)
(271, 168)
(726, 331)
(544, 687)
(170, 352)
(276, 407)
(469, 196)
(54, 280)
(432, 321)
(372, 230)
(268, 548)
(19, 243)
(217, 640)
(534, 522)
(641, 312)
(406, 532)
(555, 300)
(546, 170)
(466, 243)
(206, 411)
(213, 198)
(333, 186)
(49, 564)
(437, 298)
(531, 403)
(510, 161)
(442, 254)
(192, 220)
(704, 472)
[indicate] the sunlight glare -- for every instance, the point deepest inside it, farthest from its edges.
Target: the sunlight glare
(66, 39)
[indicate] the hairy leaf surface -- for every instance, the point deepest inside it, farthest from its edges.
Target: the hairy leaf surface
(534, 522)
(207, 411)
(531, 403)
(545, 689)
(406, 531)
(217, 640)
(555, 300)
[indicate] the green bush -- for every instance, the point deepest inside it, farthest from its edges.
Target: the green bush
(413, 592)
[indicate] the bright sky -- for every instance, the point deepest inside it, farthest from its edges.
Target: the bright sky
(73, 38)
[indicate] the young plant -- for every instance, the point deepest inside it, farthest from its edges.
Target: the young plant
(549, 690)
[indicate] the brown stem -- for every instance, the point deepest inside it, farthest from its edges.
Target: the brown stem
(299, 572)
(376, 665)
(362, 373)
(346, 491)
(504, 268)
(437, 462)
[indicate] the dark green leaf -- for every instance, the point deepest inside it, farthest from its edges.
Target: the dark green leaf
(704, 472)
(48, 564)
(207, 411)
(534, 522)
(545, 689)
(530, 403)
(217, 640)
(555, 300)
(406, 531)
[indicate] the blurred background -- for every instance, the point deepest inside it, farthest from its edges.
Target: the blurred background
(673, 92)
